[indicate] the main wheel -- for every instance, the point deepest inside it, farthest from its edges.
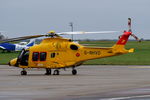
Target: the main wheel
(74, 72)
(56, 72)
(23, 72)
(48, 71)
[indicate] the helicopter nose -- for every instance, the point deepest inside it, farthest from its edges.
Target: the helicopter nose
(13, 62)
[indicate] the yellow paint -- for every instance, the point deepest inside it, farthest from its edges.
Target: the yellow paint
(13, 62)
(65, 56)
(123, 41)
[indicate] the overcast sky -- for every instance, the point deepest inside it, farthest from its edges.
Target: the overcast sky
(31, 17)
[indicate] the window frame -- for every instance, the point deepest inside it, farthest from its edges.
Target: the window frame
(37, 56)
(44, 57)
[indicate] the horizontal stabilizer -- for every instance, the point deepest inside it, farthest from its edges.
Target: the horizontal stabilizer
(131, 50)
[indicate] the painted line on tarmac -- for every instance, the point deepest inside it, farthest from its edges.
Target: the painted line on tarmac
(7, 69)
(125, 98)
(140, 67)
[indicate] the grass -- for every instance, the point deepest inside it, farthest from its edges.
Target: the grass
(141, 56)
(6, 57)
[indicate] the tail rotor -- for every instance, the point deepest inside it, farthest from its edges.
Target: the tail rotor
(130, 30)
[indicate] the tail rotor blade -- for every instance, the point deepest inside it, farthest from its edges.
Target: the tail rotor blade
(136, 38)
(129, 24)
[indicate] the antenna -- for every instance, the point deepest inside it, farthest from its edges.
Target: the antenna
(71, 25)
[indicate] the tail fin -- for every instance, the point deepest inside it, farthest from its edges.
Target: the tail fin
(31, 43)
(119, 46)
(124, 38)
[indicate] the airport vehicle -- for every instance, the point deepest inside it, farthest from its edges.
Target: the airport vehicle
(16, 47)
(56, 52)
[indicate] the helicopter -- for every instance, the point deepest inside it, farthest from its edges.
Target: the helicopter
(16, 47)
(56, 52)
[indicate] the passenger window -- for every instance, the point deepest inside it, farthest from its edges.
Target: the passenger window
(35, 56)
(53, 55)
(73, 47)
(42, 56)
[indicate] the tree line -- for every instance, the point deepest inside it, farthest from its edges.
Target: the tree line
(2, 36)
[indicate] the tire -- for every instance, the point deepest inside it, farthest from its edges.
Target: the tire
(48, 71)
(56, 72)
(74, 72)
(23, 72)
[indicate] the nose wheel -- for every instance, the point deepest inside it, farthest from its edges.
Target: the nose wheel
(74, 72)
(23, 72)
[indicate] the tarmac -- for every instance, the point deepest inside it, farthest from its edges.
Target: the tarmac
(93, 82)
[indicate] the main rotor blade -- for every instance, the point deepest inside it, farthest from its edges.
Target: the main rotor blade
(83, 32)
(21, 38)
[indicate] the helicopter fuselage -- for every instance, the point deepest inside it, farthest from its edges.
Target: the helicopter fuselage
(60, 53)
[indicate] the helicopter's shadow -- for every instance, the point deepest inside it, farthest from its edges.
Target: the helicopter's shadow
(48, 75)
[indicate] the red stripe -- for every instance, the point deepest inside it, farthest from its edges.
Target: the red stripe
(124, 38)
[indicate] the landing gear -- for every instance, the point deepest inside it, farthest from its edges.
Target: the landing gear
(48, 71)
(56, 72)
(23, 72)
(74, 72)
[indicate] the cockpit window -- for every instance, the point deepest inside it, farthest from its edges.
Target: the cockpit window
(21, 53)
(23, 58)
(35, 56)
(43, 56)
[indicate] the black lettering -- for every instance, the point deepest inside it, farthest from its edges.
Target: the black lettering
(92, 52)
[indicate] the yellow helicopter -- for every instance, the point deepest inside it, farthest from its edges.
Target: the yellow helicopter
(56, 52)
